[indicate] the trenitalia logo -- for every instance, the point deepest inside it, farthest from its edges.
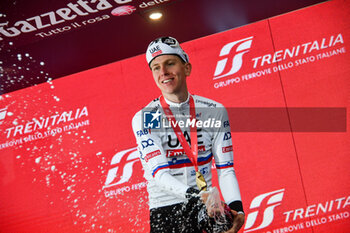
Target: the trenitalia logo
(122, 172)
(270, 200)
(234, 52)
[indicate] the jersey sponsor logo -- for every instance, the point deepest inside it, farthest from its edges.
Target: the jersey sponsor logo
(174, 142)
(151, 119)
(209, 104)
(227, 136)
(122, 167)
(152, 155)
(147, 143)
(226, 124)
(178, 174)
(177, 152)
(204, 170)
(263, 204)
(232, 57)
(227, 149)
(141, 133)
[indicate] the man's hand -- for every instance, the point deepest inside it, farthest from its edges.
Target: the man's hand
(212, 208)
(238, 222)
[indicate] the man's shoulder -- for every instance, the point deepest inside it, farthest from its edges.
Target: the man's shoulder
(152, 106)
(201, 101)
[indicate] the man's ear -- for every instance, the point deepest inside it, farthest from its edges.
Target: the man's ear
(188, 69)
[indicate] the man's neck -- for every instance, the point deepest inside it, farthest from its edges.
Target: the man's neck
(177, 98)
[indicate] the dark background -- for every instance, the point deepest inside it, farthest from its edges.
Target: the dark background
(28, 59)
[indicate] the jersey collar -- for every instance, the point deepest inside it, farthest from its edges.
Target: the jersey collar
(173, 104)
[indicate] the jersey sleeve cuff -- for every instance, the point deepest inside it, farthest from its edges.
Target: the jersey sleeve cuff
(236, 206)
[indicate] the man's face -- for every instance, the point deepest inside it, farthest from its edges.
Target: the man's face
(169, 73)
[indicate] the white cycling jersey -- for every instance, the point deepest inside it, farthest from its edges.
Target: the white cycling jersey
(167, 168)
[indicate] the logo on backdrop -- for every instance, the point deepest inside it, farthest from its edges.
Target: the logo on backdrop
(65, 15)
(264, 204)
(123, 162)
(232, 57)
(3, 112)
(123, 10)
(293, 56)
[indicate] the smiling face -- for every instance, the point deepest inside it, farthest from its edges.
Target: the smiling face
(169, 73)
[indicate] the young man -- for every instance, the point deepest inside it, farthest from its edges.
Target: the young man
(176, 156)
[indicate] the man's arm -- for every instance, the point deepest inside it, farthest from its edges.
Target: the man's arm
(223, 155)
(153, 156)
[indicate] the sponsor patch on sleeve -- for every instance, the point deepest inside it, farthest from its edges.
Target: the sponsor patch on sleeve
(227, 149)
(152, 155)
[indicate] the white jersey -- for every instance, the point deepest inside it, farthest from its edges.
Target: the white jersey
(167, 168)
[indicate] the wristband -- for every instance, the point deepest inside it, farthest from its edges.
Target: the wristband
(240, 212)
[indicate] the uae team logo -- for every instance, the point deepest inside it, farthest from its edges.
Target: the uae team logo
(231, 56)
(262, 208)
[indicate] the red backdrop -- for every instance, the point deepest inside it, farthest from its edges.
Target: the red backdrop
(68, 160)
